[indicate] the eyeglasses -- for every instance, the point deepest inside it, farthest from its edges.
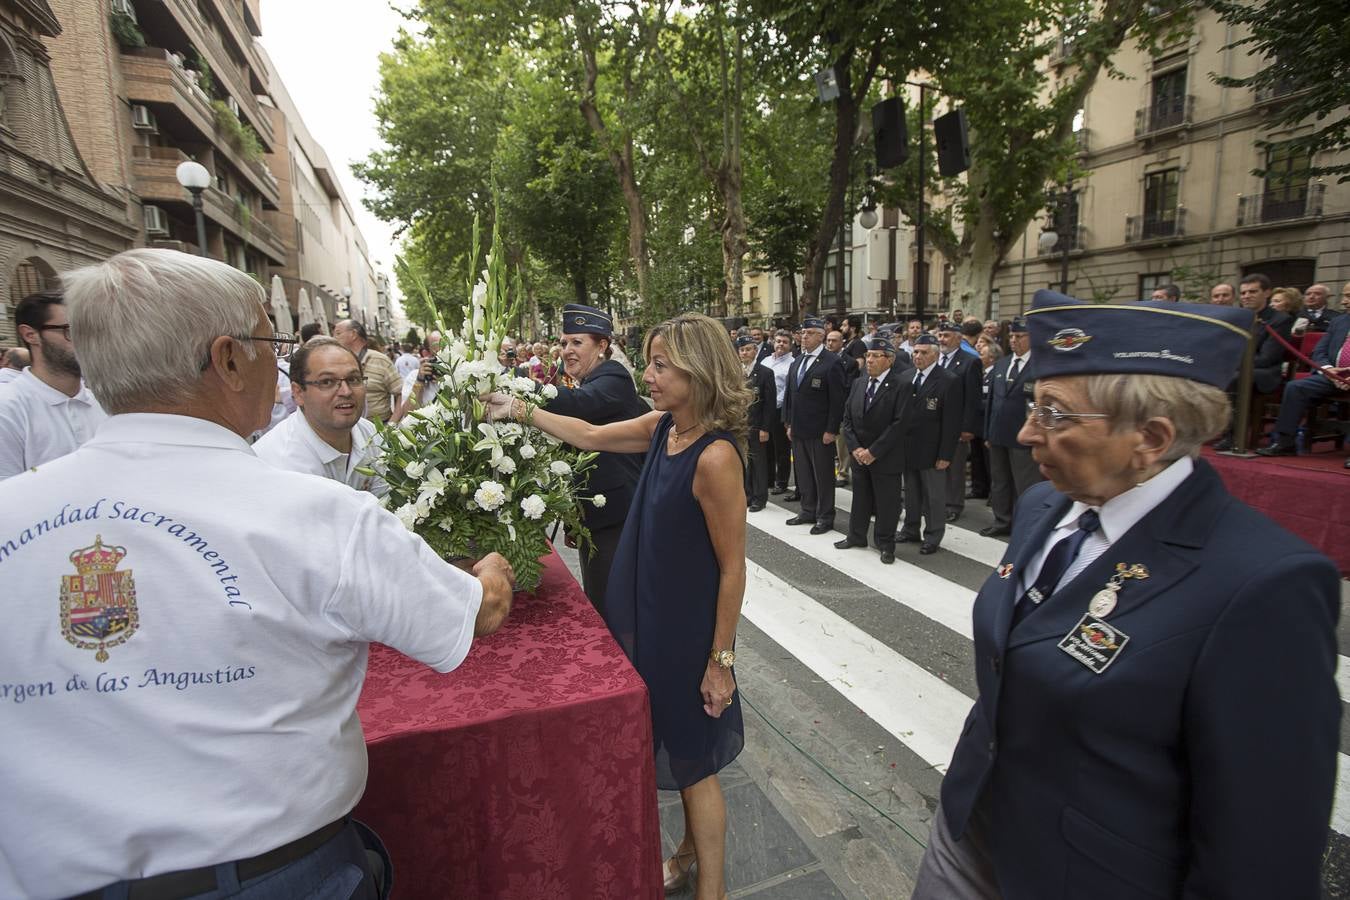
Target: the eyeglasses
(280, 341)
(64, 329)
(1047, 418)
(329, 384)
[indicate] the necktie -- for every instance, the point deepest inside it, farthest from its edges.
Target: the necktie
(1012, 375)
(871, 392)
(918, 381)
(1057, 562)
(946, 359)
(1343, 358)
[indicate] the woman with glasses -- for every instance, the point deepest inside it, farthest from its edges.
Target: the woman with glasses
(1157, 713)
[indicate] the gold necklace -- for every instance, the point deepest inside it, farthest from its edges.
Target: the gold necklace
(676, 433)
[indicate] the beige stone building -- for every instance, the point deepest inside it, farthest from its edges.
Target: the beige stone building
(54, 213)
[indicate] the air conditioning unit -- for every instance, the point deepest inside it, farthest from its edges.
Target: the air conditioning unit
(156, 222)
(143, 119)
(125, 8)
(233, 104)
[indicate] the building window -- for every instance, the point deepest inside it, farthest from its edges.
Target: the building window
(754, 297)
(1286, 187)
(1161, 190)
(1064, 208)
(1167, 107)
(1153, 280)
(829, 293)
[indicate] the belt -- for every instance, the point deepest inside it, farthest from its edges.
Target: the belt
(190, 882)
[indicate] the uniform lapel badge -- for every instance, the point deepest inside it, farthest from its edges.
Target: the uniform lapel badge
(932, 404)
(98, 604)
(1005, 570)
(1094, 643)
(1104, 601)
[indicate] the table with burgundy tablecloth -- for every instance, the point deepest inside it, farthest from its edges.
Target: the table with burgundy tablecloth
(525, 773)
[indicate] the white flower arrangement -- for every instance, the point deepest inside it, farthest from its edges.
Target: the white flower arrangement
(467, 486)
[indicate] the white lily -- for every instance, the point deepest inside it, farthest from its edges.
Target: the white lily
(490, 441)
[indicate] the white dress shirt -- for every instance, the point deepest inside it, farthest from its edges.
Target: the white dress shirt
(295, 446)
(1118, 515)
(38, 423)
(779, 366)
(222, 721)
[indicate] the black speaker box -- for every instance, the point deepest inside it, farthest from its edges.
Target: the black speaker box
(888, 133)
(953, 147)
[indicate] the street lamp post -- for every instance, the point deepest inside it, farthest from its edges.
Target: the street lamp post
(195, 177)
(1051, 236)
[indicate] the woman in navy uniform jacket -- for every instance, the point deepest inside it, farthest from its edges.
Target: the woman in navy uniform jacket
(604, 393)
(1158, 715)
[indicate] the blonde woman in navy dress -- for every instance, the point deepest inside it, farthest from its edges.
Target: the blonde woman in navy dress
(675, 589)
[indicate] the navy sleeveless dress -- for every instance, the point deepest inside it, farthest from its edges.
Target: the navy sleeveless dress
(661, 607)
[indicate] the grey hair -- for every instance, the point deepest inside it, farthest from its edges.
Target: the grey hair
(143, 322)
(1197, 411)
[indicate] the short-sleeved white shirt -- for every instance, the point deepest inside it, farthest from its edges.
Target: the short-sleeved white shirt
(406, 364)
(38, 423)
(8, 375)
(224, 724)
(295, 446)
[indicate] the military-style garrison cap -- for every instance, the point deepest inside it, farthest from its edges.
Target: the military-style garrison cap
(948, 325)
(1017, 326)
(925, 339)
(1153, 337)
(579, 319)
(746, 341)
(882, 343)
(813, 322)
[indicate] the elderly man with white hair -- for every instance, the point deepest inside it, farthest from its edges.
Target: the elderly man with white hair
(189, 660)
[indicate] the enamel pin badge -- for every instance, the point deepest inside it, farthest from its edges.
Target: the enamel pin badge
(1094, 643)
(1005, 570)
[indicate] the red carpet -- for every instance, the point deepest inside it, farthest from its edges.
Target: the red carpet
(1309, 495)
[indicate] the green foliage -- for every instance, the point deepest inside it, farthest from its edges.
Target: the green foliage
(412, 338)
(125, 30)
(1304, 46)
(206, 80)
(238, 133)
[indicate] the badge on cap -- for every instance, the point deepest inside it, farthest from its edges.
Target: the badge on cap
(1069, 339)
(580, 320)
(1094, 643)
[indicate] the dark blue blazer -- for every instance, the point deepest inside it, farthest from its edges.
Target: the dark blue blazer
(814, 405)
(1219, 713)
(1329, 347)
(1006, 406)
(606, 395)
(969, 389)
(760, 415)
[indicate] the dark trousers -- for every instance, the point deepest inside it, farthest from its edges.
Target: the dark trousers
(874, 493)
(979, 468)
(1300, 394)
(596, 564)
(956, 478)
(780, 451)
(1011, 471)
(925, 502)
(813, 460)
(757, 470)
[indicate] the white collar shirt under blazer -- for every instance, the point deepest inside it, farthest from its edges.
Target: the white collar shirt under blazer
(295, 446)
(38, 423)
(222, 723)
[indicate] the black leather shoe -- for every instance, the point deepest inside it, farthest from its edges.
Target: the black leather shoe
(1223, 446)
(1347, 464)
(792, 497)
(905, 539)
(755, 507)
(928, 548)
(953, 516)
(841, 482)
(995, 531)
(978, 495)
(800, 520)
(845, 544)
(777, 490)
(821, 529)
(888, 556)
(1278, 450)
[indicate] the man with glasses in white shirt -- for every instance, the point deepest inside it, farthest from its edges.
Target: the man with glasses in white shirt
(45, 412)
(329, 438)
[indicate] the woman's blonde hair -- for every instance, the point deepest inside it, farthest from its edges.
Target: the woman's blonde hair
(698, 346)
(1292, 296)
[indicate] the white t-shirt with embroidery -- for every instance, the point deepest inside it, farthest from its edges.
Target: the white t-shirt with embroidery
(184, 644)
(295, 446)
(38, 423)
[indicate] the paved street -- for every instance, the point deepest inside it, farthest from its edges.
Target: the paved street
(856, 679)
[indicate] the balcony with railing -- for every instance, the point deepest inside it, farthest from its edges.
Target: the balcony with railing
(1164, 116)
(1275, 92)
(1155, 227)
(1082, 141)
(1287, 205)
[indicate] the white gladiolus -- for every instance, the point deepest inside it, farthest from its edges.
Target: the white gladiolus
(533, 507)
(527, 452)
(415, 469)
(490, 495)
(598, 501)
(559, 468)
(548, 392)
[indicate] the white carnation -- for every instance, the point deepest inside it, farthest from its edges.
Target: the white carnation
(549, 392)
(506, 465)
(415, 469)
(407, 514)
(527, 452)
(523, 384)
(533, 507)
(489, 495)
(560, 468)
(598, 501)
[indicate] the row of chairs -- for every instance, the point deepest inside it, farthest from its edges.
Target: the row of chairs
(1328, 420)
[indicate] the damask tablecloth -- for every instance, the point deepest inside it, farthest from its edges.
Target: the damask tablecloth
(525, 773)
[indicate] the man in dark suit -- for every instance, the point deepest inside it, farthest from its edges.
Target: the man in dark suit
(969, 373)
(763, 343)
(1140, 622)
(1268, 354)
(813, 408)
(1332, 380)
(1315, 309)
(1011, 468)
(930, 424)
(872, 433)
(759, 380)
(893, 333)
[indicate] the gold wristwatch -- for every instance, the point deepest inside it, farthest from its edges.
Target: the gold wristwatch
(724, 658)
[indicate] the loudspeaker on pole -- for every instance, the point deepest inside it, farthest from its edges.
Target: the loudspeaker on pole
(888, 133)
(953, 146)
